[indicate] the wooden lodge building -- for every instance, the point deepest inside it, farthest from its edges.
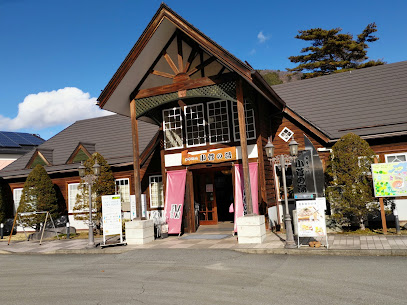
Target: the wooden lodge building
(185, 103)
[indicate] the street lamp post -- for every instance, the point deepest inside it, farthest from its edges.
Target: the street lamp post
(90, 180)
(282, 161)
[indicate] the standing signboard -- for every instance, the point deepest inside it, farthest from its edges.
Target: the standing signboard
(112, 216)
(311, 219)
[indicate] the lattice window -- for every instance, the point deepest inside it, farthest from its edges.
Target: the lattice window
(17, 198)
(73, 191)
(218, 122)
(250, 125)
(172, 122)
(286, 134)
(195, 125)
(156, 191)
(400, 157)
(123, 188)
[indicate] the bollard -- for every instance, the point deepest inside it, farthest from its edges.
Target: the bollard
(1, 230)
(68, 230)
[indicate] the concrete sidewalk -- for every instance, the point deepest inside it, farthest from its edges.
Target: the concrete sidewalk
(339, 244)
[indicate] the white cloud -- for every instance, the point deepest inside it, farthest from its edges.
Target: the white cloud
(262, 38)
(53, 108)
(252, 52)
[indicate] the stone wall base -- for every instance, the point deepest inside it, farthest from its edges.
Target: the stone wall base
(251, 229)
(139, 232)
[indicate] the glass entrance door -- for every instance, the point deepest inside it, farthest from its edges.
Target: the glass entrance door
(208, 214)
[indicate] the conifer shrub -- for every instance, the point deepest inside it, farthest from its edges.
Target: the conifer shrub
(104, 185)
(350, 186)
(38, 195)
(6, 201)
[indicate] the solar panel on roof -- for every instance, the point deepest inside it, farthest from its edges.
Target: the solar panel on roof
(5, 141)
(23, 138)
(32, 138)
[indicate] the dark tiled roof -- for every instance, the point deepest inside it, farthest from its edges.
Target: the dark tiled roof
(368, 102)
(110, 134)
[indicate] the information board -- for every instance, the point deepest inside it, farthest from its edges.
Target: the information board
(390, 179)
(310, 218)
(112, 215)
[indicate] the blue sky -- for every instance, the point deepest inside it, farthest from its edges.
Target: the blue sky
(57, 56)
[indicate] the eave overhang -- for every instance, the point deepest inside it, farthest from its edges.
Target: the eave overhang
(116, 95)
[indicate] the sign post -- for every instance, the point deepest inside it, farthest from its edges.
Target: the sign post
(112, 218)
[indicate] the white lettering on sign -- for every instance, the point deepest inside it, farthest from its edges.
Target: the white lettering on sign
(228, 155)
(175, 212)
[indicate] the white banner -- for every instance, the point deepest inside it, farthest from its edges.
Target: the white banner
(112, 215)
(133, 213)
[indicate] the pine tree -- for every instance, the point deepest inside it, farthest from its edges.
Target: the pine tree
(272, 78)
(38, 195)
(104, 185)
(332, 52)
(6, 201)
(350, 189)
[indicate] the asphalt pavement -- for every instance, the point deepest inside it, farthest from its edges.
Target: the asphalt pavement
(201, 276)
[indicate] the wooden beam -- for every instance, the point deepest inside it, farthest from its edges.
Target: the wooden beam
(191, 58)
(202, 65)
(171, 63)
(201, 58)
(243, 144)
(221, 71)
(163, 74)
(151, 68)
(136, 158)
(183, 85)
(180, 57)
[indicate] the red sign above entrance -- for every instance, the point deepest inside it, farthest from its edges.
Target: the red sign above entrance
(214, 156)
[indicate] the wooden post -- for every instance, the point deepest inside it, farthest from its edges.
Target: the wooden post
(243, 144)
(136, 158)
(190, 187)
(382, 213)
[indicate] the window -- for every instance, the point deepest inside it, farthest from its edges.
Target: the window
(250, 126)
(172, 122)
(400, 157)
(195, 125)
(17, 197)
(156, 191)
(123, 188)
(218, 122)
(286, 134)
(73, 191)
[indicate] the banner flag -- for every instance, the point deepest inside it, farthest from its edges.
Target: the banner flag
(174, 199)
(240, 196)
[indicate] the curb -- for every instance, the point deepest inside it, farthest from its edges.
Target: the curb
(69, 251)
(325, 252)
